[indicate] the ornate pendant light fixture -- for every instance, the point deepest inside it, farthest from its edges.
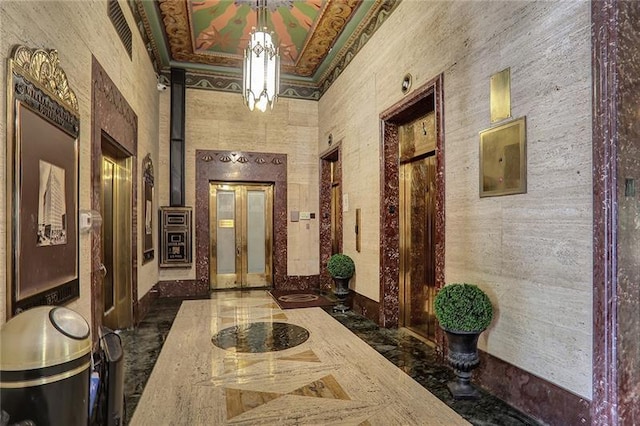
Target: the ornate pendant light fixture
(261, 71)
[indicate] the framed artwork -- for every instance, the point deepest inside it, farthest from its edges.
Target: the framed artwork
(147, 249)
(503, 161)
(42, 165)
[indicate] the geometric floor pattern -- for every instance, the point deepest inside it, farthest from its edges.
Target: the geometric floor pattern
(333, 378)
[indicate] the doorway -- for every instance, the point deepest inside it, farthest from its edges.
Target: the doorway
(240, 220)
(330, 211)
(417, 245)
(116, 269)
(418, 117)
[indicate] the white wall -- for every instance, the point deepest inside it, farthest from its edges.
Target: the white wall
(78, 29)
(220, 121)
(532, 253)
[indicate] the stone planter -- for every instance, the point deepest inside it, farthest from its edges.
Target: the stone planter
(341, 292)
(463, 357)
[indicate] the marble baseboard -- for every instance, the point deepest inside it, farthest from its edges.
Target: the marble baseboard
(144, 304)
(535, 396)
(195, 288)
(298, 282)
(182, 288)
(366, 307)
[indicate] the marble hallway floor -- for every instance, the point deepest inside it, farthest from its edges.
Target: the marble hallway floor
(238, 359)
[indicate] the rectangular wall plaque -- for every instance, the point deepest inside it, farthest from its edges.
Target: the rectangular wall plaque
(500, 95)
(503, 160)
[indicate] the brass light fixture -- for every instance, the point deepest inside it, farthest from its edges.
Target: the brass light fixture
(261, 71)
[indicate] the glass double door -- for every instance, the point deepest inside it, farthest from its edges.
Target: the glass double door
(417, 245)
(240, 224)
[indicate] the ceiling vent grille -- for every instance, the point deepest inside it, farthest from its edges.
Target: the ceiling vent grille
(120, 24)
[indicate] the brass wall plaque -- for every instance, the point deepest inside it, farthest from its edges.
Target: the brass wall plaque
(500, 96)
(225, 223)
(503, 159)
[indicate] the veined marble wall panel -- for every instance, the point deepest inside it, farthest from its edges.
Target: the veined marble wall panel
(531, 252)
(79, 30)
(349, 111)
(220, 121)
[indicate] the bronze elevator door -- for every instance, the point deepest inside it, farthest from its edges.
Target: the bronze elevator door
(417, 245)
(116, 242)
(240, 224)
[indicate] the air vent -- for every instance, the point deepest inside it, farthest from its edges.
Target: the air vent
(120, 24)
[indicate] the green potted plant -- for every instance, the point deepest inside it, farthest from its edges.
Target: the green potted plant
(463, 311)
(341, 268)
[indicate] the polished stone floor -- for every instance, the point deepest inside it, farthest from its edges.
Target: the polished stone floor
(407, 353)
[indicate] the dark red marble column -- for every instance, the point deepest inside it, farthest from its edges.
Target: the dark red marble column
(616, 178)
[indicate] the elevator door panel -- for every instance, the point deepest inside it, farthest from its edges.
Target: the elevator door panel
(240, 224)
(116, 242)
(417, 266)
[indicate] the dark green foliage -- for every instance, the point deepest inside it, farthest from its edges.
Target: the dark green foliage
(463, 307)
(340, 265)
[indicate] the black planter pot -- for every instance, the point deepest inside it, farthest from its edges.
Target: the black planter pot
(341, 292)
(463, 357)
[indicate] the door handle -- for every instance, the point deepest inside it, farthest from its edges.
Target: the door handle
(238, 251)
(103, 269)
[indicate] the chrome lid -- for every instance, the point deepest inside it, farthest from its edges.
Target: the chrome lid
(42, 337)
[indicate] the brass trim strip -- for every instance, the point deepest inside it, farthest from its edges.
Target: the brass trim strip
(44, 380)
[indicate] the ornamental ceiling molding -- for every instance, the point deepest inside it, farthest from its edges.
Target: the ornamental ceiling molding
(330, 25)
(174, 14)
(376, 17)
(142, 22)
(43, 66)
(227, 83)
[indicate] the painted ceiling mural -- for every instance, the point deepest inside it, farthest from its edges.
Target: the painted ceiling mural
(223, 26)
(317, 38)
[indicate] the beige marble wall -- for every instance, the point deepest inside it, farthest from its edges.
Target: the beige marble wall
(220, 121)
(78, 30)
(530, 252)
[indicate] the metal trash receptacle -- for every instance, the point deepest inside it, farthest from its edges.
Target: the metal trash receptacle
(45, 363)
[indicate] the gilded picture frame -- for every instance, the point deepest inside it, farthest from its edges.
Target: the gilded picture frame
(42, 169)
(147, 178)
(503, 160)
